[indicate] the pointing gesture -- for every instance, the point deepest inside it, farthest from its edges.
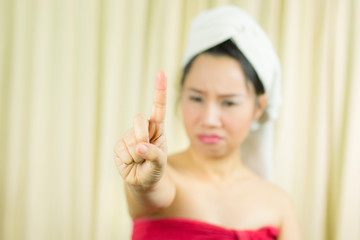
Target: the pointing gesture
(140, 155)
(159, 104)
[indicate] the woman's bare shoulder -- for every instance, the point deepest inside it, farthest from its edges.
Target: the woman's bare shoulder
(284, 203)
(290, 225)
(175, 156)
(269, 194)
(177, 161)
(273, 191)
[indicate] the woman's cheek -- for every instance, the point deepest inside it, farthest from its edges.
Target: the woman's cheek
(238, 126)
(189, 114)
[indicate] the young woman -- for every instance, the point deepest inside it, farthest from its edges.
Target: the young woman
(230, 93)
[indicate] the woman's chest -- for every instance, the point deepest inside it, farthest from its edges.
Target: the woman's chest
(235, 207)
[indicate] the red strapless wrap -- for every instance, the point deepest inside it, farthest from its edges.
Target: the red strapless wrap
(188, 229)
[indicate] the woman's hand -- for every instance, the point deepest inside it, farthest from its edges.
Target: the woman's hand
(141, 155)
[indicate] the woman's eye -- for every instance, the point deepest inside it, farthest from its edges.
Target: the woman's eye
(196, 99)
(228, 103)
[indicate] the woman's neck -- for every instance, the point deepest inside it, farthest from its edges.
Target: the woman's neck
(217, 169)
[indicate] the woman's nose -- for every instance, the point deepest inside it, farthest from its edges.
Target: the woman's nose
(212, 116)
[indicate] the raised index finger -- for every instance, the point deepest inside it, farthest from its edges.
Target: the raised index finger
(159, 104)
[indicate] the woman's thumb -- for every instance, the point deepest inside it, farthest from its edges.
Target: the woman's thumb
(150, 152)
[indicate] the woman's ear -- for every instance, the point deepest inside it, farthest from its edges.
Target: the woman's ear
(260, 105)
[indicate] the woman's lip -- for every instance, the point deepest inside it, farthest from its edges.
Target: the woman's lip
(210, 139)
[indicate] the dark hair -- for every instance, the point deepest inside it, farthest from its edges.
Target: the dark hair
(228, 48)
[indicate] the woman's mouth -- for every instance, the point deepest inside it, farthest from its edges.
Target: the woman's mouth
(209, 139)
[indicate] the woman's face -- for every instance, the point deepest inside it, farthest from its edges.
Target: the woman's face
(218, 105)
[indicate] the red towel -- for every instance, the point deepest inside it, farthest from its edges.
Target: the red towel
(188, 229)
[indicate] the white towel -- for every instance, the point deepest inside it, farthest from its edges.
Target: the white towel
(217, 25)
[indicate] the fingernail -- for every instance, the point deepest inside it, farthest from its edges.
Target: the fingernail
(158, 75)
(143, 149)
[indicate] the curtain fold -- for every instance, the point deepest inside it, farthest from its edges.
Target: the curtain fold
(74, 73)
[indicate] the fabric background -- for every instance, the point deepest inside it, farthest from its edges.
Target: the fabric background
(73, 73)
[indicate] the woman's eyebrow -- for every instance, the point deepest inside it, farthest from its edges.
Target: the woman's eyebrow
(228, 95)
(195, 90)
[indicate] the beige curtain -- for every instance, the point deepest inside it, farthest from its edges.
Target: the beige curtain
(73, 73)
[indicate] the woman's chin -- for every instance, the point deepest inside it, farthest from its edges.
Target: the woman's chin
(213, 151)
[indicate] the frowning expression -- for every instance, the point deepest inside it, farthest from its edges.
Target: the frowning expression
(218, 105)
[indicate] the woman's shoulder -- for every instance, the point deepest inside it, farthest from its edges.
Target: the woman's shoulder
(177, 161)
(276, 195)
(284, 203)
(173, 158)
(271, 190)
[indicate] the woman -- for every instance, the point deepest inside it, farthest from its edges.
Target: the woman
(229, 98)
